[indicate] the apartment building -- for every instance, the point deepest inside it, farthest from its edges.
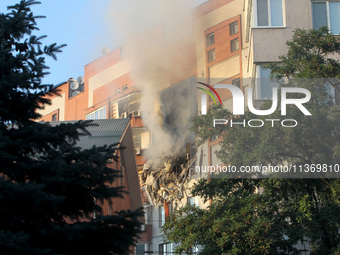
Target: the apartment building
(230, 42)
(235, 39)
(264, 28)
(269, 24)
(219, 51)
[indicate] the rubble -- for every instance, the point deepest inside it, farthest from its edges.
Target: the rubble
(164, 179)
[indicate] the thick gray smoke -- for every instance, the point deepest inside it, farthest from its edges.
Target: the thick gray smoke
(155, 33)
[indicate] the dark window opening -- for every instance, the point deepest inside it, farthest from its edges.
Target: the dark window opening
(210, 39)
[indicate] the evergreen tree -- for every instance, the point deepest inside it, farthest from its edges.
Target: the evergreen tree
(47, 185)
(274, 215)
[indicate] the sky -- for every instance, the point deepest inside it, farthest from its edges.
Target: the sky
(84, 25)
(81, 24)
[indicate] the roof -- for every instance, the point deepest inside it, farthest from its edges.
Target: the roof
(108, 131)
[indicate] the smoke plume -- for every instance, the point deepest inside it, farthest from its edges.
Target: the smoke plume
(158, 45)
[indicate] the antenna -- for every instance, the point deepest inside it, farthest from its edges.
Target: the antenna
(80, 80)
(105, 50)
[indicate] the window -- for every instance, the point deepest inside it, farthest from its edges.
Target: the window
(264, 84)
(161, 213)
(165, 248)
(137, 141)
(233, 28)
(211, 55)
(332, 93)
(210, 39)
(236, 82)
(54, 117)
(269, 13)
(97, 115)
(326, 13)
(140, 249)
(141, 137)
(125, 87)
(117, 91)
(191, 201)
(234, 45)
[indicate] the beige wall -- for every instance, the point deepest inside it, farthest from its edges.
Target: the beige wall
(227, 68)
(57, 103)
(270, 43)
(104, 77)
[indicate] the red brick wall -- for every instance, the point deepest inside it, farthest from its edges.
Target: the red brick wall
(48, 117)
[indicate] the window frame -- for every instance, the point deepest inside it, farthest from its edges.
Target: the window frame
(165, 251)
(255, 15)
(231, 26)
(208, 36)
(55, 117)
(161, 215)
(327, 13)
(231, 45)
(208, 53)
(258, 85)
(89, 115)
(139, 251)
(137, 141)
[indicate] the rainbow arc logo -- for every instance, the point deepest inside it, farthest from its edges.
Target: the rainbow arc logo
(209, 93)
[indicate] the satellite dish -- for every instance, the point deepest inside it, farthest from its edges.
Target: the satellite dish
(80, 80)
(74, 93)
(105, 50)
(74, 85)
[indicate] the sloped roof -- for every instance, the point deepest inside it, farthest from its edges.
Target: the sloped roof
(108, 131)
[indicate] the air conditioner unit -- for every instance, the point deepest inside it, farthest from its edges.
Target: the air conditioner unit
(137, 151)
(136, 113)
(123, 115)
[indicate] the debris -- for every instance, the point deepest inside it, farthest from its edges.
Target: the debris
(164, 178)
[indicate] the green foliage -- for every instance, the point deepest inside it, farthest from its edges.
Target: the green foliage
(47, 185)
(274, 216)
